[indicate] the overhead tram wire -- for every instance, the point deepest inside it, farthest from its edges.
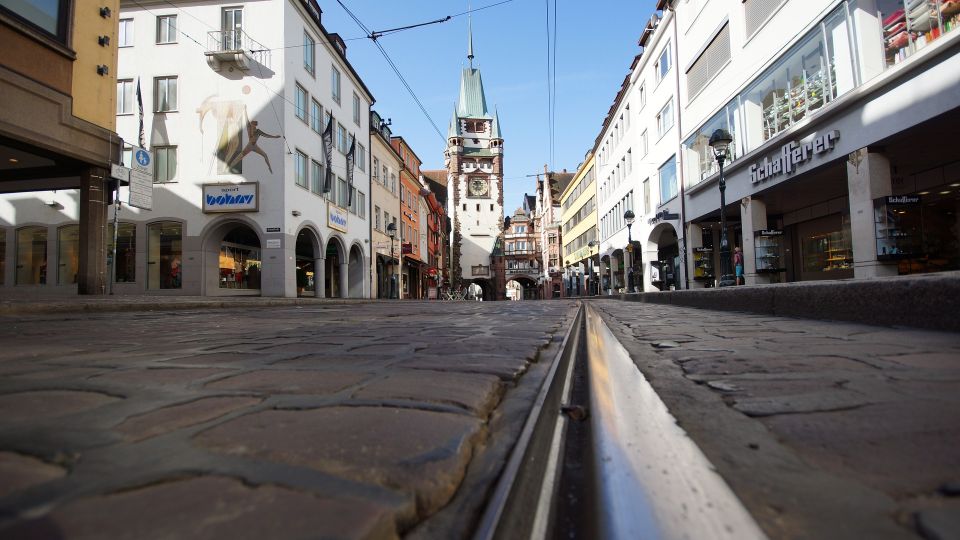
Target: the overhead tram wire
(395, 69)
(553, 136)
(549, 91)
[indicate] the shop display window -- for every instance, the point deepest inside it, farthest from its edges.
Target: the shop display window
(31, 256)
(826, 252)
(910, 25)
(769, 251)
(126, 252)
(240, 260)
(703, 264)
(898, 222)
(700, 160)
(813, 73)
(68, 254)
(164, 255)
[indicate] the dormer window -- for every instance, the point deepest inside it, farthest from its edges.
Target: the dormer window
(476, 126)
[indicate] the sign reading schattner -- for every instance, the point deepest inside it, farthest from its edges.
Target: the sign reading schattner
(243, 197)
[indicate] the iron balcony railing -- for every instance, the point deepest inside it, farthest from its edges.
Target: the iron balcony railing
(232, 40)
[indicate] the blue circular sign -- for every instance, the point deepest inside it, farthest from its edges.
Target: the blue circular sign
(143, 157)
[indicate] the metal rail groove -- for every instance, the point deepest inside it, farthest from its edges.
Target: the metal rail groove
(523, 496)
(651, 480)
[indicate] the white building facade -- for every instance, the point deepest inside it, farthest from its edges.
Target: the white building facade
(636, 170)
(235, 99)
(840, 114)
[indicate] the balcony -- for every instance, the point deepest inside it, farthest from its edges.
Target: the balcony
(520, 252)
(226, 48)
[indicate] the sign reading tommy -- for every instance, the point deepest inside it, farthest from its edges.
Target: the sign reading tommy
(243, 197)
(792, 156)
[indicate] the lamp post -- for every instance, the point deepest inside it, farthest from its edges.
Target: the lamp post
(591, 244)
(628, 217)
(720, 142)
(392, 233)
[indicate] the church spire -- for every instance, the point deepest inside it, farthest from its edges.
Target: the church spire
(470, 40)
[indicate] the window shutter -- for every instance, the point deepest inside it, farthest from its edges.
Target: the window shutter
(711, 60)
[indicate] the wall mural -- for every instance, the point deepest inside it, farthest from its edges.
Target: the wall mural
(232, 121)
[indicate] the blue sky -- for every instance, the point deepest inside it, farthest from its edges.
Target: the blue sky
(595, 43)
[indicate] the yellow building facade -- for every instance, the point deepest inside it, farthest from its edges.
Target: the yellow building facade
(578, 222)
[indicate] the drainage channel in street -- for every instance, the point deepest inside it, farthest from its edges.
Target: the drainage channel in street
(600, 456)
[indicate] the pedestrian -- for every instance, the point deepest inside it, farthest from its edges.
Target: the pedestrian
(738, 264)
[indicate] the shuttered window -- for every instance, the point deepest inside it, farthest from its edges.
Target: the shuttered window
(756, 12)
(713, 58)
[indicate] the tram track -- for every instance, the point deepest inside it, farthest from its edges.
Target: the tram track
(600, 456)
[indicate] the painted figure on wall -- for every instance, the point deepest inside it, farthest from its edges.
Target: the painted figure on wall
(232, 121)
(253, 135)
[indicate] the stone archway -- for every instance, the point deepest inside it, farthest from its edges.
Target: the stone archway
(355, 273)
(309, 262)
(662, 256)
(526, 286)
(335, 276)
(234, 262)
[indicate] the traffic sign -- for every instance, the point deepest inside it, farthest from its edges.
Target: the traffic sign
(119, 172)
(141, 179)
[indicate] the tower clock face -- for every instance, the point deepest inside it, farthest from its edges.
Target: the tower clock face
(479, 187)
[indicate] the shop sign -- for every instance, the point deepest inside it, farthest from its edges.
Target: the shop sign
(336, 217)
(769, 232)
(792, 156)
(663, 215)
(274, 243)
(702, 250)
(406, 248)
(243, 197)
(903, 199)
(273, 229)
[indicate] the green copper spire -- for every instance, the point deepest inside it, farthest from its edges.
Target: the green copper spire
(495, 128)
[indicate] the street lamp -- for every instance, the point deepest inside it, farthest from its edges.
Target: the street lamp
(720, 142)
(628, 217)
(591, 244)
(392, 233)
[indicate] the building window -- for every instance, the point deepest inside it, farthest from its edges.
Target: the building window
(49, 15)
(353, 200)
(309, 53)
(629, 161)
(361, 157)
(342, 192)
(68, 254)
(376, 217)
(164, 164)
(316, 116)
(125, 34)
(700, 161)
(642, 95)
(166, 29)
(476, 126)
(711, 60)
(668, 180)
(356, 109)
(361, 205)
(335, 83)
(375, 170)
(663, 63)
(341, 139)
(665, 118)
(126, 271)
(165, 94)
(316, 177)
(643, 143)
(164, 253)
(300, 103)
(756, 12)
(300, 168)
(125, 96)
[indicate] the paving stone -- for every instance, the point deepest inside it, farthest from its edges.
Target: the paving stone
(507, 368)
(45, 404)
(18, 472)
(144, 426)
(824, 401)
(56, 372)
(290, 381)
(211, 508)
(422, 453)
(478, 394)
(157, 376)
(216, 358)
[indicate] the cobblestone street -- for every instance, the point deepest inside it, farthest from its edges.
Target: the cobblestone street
(332, 420)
